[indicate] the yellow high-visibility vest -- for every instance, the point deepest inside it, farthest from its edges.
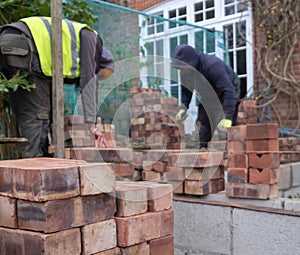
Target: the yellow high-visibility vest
(40, 28)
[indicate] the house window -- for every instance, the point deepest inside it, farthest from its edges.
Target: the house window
(155, 25)
(233, 6)
(177, 14)
(205, 41)
(204, 10)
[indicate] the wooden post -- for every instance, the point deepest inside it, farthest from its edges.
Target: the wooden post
(57, 79)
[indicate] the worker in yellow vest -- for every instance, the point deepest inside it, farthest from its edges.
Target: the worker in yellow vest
(26, 46)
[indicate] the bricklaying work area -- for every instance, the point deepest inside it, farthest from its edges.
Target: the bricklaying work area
(120, 200)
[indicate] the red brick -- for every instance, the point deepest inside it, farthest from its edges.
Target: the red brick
(254, 191)
(203, 187)
(99, 236)
(264, 160)
(113, 251)
(14, 241)
(56, 215)
(163, 245)
(196, 159)
(159, 166)
(262, 131)
(124, 170)
(237, 161)
(151, 176)
(237, 133)
(236, 147)
(175, 173)
(178, 186)
(237, 175)
(138, 249)
(129, 234)
(131, 200)
(262, 145)
(41, 179)
(204, 174)
(8, 213)
(264, 176)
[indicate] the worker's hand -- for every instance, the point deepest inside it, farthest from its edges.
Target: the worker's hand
(99, 137)
(224, 124)
(180, 115)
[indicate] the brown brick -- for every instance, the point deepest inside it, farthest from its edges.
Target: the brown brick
(151, 176)
(124, 170)
(264, 175)
(163, 245)
(196, 159)
(237, 175)
(262, 131)
(236, 147)
(237, 133)
(138, 249)
(8, 213)
(129, 234)
(264, 160)
(237, 161)
(159, 166)
(262, 145)
(14, 241)
(131, 199)
(204, 174)
(203, 187)
(99, 236)
(254, 191)
(41, 179)
(6, 180)
(96, 178)
(56, 215)
(175, 173)
(113, 251)
(178, 186)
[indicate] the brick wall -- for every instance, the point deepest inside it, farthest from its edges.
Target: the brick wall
(143, 4)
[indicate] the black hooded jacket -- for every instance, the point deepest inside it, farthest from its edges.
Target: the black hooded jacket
(215, 71)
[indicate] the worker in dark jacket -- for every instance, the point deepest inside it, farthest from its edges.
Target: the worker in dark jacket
(213, 80)
(26, 46)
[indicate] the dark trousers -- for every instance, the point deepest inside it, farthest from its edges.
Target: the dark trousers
(32, 111)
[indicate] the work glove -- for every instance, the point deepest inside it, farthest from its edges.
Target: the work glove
(180, 116)
(224, 124)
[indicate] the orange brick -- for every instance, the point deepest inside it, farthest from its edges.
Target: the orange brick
(178, 186)
(264, 160)
(151, 176)
(236, 147)
(138, 249)
(8, 214)
(237, 133)
(163, 245)
(237, 161)
(203, 187)
(262, 145)
(262, 131)
(113, 251)
(14, 241)
(129, 234)
(124, 170)
(264, 176)
(237, 175)
(175, 173)
(159, 166)
(204, 174)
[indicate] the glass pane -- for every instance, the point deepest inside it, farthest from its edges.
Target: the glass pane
(150, 48)
(172, 24)
(231, 58)
(199, 17)
(172, 14)
(210, 42)
(229, 1)
(160, 48)
(229, 30)
(241, 7)
(240, 34)
(241, 60)
(160, 28)
(198, 6)
(210, 14)
(243, 87)
(174, 91)
(182, 11)
(199, 41)
(183, 39)
(150, 30)
(209, 3)
(173, 44)
(229, 10)
(182, 19)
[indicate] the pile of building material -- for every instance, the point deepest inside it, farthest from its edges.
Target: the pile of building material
(289, 149)
(253, 161)
(153, 122)
(247, 112)
(60, 206)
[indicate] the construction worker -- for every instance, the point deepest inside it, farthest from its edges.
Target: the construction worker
(26, 46)
(212, 79)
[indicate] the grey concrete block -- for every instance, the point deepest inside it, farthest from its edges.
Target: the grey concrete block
(292, 204)
(285, 180)
(295, 167)
(265, 233)
(292, 193)
(202, 228)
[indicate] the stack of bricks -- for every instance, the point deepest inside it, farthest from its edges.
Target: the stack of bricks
(289, 149)
(77, 132)
(196, 173)
(60, 206)
(153, 122)
(247, 112)
(253, 161)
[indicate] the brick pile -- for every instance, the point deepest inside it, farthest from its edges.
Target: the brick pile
(253, 161)
(196, 173)
(247, 112)
(289, 149)
(153, 122)
(61, 206)
(77, 132)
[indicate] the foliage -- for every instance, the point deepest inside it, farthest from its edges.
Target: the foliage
(277, 24)
(18, 80)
